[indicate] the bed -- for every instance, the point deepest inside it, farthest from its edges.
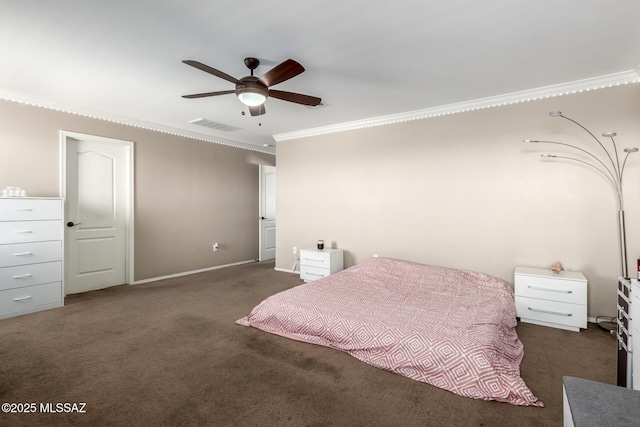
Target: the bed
(453, 329)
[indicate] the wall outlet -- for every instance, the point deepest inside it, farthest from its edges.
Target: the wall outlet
(215, 247)
(295, 250)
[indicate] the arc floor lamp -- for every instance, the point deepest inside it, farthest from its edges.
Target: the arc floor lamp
(607, 161)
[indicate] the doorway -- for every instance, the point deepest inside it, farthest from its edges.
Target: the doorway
(97, 186)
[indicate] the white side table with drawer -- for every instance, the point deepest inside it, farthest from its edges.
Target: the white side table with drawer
(31, 242)
(316, 264)
(558, 300)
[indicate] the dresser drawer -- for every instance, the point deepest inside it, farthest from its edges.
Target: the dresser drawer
(315, 258)
(29, 231)
(557, 313)
(18, 209)
(547, 288)
(635, 357)
(31, 298)
(30, 253)
(31, 274)
(308, 273)
(634, 310)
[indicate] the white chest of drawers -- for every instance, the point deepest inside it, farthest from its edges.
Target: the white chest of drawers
(31, 269)
(634, 331)
(316, 264)
(551, 299)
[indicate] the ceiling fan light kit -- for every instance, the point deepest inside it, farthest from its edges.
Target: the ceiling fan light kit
(252, 94)
(253, 91)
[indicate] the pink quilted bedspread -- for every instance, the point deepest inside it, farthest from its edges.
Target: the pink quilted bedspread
(454, 329)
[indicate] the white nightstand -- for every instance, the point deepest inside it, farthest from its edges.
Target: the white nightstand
(551, 299)
(316, 264)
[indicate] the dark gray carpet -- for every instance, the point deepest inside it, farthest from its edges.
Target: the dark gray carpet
(169, 353)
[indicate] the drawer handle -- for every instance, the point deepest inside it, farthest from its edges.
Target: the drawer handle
(23, 232)
(623, 345)
(622, 313)
(622, 330)
(550, 312)
(24, 210)
(315, 274)
(560, 291)
(22, 298)
(22, 276)
(23, 254)
(316, 259)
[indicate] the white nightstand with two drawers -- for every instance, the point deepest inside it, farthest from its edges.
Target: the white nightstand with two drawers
(558, 300)
(316, 264)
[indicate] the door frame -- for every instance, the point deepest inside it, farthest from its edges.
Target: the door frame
(65, 136)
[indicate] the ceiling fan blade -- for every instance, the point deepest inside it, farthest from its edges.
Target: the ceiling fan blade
(203, 95)
(281, 72)
(211, 70)
(298, 98)
(258, 110)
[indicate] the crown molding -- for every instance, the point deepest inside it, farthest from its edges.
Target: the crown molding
(610, 80)
(25, 99)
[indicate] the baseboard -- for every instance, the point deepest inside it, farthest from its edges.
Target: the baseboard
(594, 319)
(186, 273)
(287, 270)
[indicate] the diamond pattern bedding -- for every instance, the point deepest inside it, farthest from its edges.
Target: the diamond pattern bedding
(454, 329)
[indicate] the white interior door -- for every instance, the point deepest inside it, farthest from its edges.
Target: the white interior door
(267, 212)
(97, 177)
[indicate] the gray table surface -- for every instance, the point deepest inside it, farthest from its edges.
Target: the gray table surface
(601, 405)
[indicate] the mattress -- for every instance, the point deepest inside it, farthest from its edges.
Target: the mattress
(453, 329)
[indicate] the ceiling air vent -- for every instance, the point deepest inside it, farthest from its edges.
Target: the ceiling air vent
(213, 125)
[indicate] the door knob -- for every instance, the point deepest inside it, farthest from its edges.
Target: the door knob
(72, 224)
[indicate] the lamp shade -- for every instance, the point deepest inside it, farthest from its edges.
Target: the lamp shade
(252, 94)
(251, 99)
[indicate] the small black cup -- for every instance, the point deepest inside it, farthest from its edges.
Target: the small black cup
(320, 245)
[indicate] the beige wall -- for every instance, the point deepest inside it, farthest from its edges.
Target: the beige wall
(188, 193)
(463, 191)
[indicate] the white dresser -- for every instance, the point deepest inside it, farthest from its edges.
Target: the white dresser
(31, 272)
(635, 333)
(316, 264)
(628, 333)
(551, 299)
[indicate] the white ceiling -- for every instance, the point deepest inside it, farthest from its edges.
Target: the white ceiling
(121, 59)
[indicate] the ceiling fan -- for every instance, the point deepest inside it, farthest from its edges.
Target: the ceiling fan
(253, 91)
